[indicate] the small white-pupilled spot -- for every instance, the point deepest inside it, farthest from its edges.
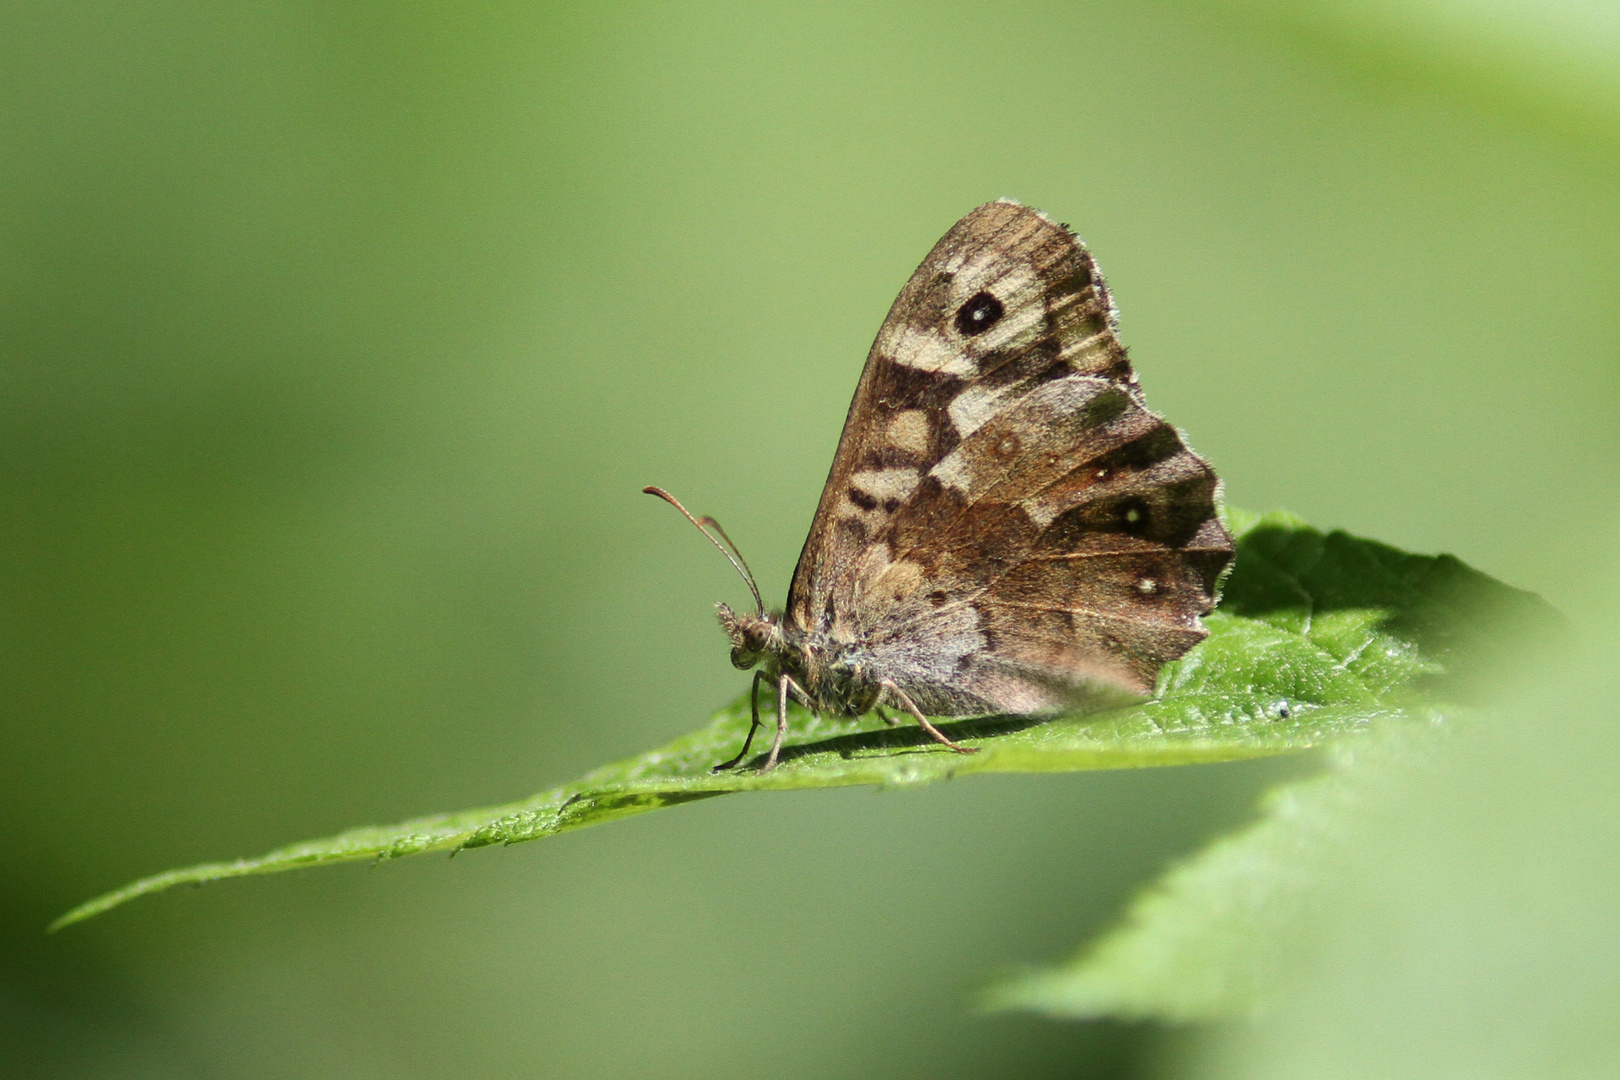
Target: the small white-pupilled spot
(908, 431)
(1022, 323)
(1007, 445)
(1133, 515)
(1147, 586)
(1102, 474)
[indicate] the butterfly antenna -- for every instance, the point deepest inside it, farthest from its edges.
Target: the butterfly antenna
(709, 523)
(735, 560)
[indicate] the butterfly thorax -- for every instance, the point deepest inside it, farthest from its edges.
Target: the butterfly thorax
(829, 673)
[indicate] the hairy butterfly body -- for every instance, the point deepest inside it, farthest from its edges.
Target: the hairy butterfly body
(1006, 528)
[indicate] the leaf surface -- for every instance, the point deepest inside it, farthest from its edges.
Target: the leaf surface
(1209, 939)
(1317, 636)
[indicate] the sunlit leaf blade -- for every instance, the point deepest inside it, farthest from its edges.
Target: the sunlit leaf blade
(1318, 635)
(1203, 942)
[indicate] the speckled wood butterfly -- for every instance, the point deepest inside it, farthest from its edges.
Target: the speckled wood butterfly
(1006, 528)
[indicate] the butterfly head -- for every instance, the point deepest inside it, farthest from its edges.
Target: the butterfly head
(753, 637)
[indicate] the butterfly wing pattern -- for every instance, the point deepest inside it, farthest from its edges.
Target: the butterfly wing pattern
(1006, 528)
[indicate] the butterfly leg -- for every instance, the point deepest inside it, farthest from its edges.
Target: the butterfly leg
(939, 736)
(782, 685)
(753, 701)
(885, 717)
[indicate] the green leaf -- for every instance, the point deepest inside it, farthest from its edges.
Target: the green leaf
(1458, 915)
(1317, 636)
(1207, 940)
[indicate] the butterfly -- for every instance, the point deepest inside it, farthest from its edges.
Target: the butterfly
(1006, 528)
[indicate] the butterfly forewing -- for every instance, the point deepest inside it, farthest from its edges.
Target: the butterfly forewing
(1005, 524)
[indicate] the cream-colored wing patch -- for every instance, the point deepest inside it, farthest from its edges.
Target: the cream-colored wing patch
(909, 431)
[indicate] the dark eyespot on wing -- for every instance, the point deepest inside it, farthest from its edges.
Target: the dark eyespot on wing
(979, 314)
(1169, 515)
(1133, 514)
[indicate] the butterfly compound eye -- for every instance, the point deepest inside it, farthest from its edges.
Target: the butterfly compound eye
(978, 314)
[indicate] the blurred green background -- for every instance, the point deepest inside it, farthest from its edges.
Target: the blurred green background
(336, 340)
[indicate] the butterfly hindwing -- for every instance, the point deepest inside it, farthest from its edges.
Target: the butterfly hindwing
(1005, 524)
